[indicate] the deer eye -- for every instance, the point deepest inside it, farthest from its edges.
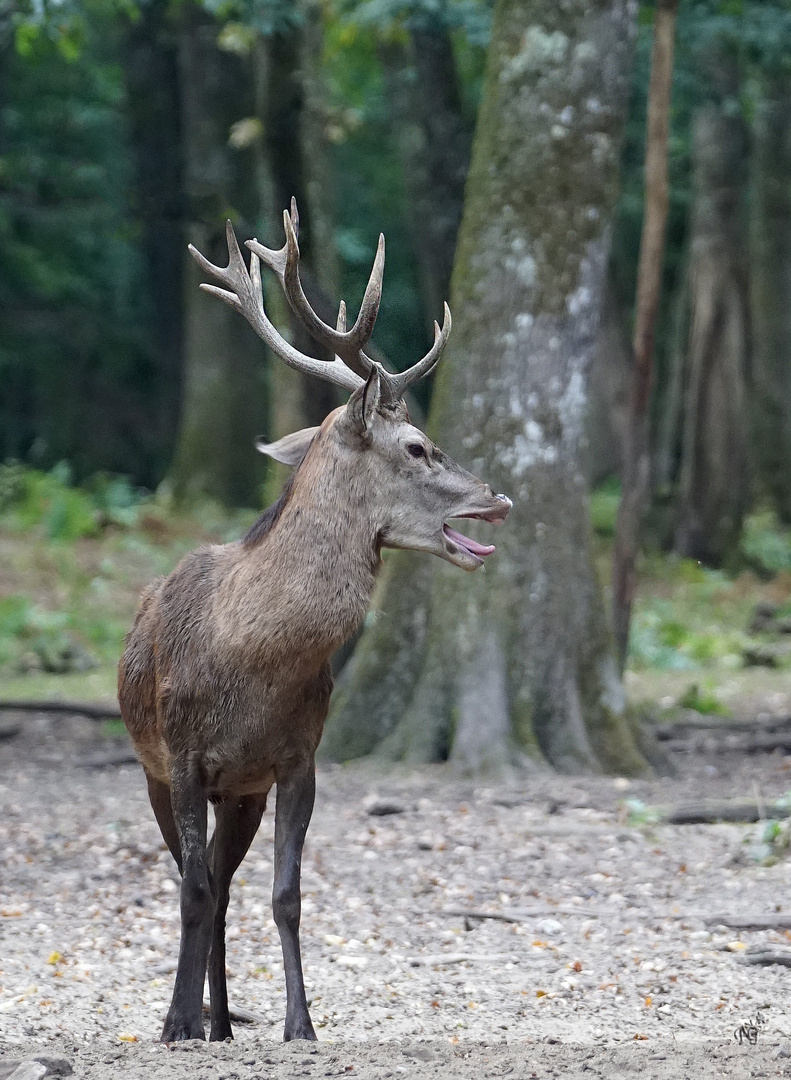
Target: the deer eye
(416, 450)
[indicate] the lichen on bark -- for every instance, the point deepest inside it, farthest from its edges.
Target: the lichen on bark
(516, 659)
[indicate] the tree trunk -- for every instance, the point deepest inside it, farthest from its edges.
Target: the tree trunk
(517, 659)
(434, 138)
(608, 393)
(770, 290)
(714, 483)
(150, 60)
(296, 163)
(224, 386)
(636, 478)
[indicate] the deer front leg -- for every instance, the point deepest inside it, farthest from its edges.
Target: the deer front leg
(293, 809)
(188, 796)
(237, 824)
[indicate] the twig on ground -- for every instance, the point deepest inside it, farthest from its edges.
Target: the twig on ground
(462, 958)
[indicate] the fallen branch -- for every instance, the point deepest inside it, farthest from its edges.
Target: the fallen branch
(91, 710)
(516, 915)
(462, 958)
(239, 1016)
(711, 811)
(750, 922)
(766, 956)
(716, 725)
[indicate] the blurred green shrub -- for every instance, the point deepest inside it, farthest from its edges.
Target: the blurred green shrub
(702, 701)
(766, 544)
(50, 504)
(33, 639)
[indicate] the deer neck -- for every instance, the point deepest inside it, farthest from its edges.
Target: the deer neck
(322, 555)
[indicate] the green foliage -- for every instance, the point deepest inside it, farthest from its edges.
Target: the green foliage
(47, 504)
(766, 544)
(702, 701)
(36, 639)
(73, 361)
(472, 17)
(637, 813)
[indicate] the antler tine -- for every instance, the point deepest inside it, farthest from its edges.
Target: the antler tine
(246, 296)
(398, 384)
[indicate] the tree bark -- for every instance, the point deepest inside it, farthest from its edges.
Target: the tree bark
(434, 140)
(224, 386)
(770, 289)
(296, 163)
(151, 73)
(715, 480)
(517, 659)
(637, 459)
(608, 393)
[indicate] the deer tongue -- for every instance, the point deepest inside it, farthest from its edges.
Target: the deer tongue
(481, 550)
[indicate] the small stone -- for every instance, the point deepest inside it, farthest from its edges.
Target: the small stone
(56, 1066)
(385, 807)
(28, 1070)
(783, 1051)
(549, 927)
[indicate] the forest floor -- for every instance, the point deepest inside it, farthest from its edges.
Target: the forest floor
(619, 962)
(610, 966)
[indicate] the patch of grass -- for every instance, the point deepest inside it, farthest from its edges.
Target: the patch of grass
(702, 701)
(75, 561)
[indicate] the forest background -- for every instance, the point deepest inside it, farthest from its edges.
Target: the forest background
(130, 401)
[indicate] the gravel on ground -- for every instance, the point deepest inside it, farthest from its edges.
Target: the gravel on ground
(606, 958)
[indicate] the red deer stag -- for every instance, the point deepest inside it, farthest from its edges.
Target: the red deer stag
(225, 679)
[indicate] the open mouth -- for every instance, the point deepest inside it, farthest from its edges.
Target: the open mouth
(496, 516)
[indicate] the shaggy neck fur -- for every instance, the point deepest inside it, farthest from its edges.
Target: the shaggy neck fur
(313, 556)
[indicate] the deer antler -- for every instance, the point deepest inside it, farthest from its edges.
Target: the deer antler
(350, 366)
(245, 294)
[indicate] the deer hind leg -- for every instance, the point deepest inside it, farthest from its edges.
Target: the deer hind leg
(189, 801)
(237, 824)
(293, 809)
(159, 797)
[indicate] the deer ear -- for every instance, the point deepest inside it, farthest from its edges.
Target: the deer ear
(364, 402)
(289, 450)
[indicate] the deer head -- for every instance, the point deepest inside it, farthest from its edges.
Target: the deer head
(410, 488)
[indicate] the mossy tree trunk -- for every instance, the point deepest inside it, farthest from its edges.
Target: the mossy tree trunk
(715, 478)
(517, 658)
(224, 379)
(770, 289)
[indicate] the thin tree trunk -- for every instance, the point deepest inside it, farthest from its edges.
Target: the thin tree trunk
(296, 163)
(224, 386)
(715, 476)
(151, 70)
(669, 428)
(770, 290)
(637, 462)
(608, 393)
(516, 659)
(434, 139)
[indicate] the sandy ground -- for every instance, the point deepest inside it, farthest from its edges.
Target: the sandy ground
(612, 969)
